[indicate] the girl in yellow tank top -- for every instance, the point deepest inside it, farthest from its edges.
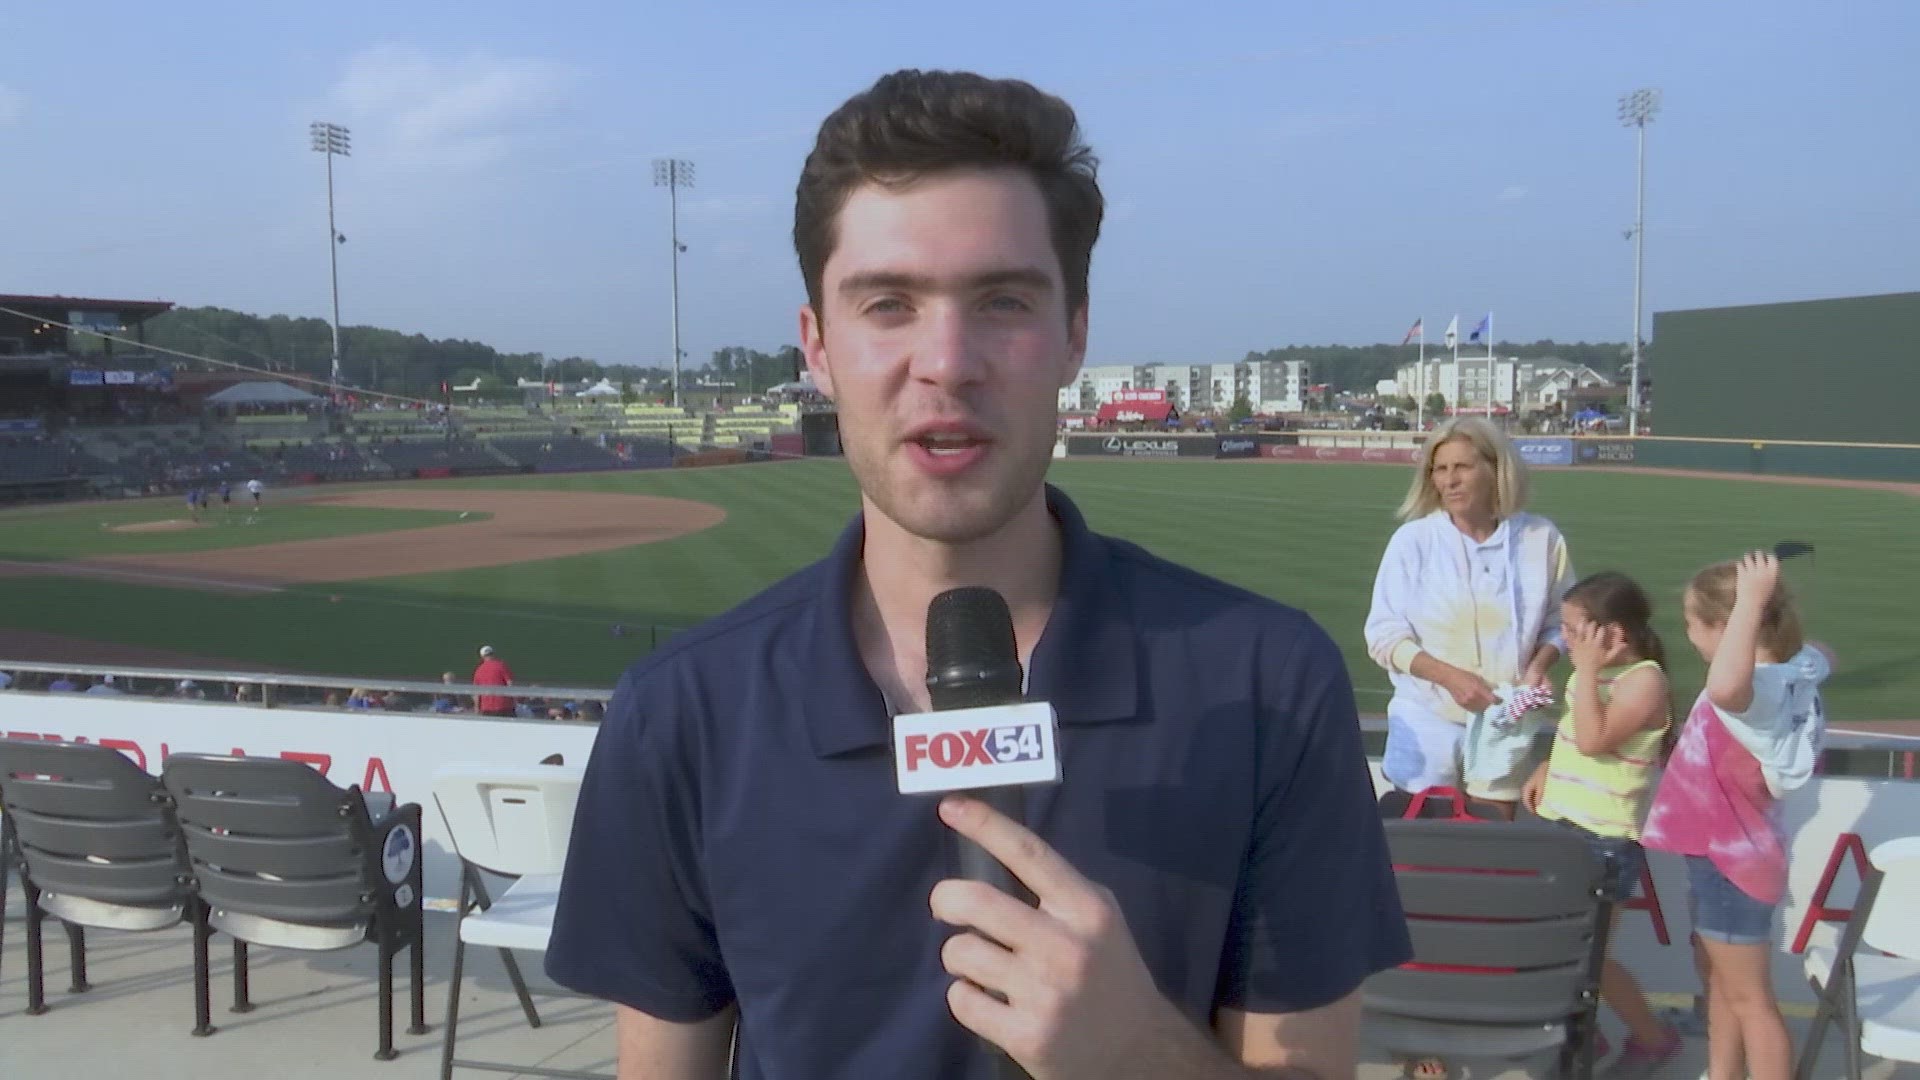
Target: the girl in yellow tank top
(1600, 776)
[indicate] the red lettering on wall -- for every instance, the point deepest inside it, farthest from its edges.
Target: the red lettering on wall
(128, 747)
(376, 767)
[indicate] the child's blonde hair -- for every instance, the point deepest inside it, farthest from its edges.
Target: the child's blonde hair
(1713, 591)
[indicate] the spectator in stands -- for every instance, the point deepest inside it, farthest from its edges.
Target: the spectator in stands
(6, 680)
(103, 685)
(187, 688)
(1466, 602)
(492, 671)
(63, 684)
(446, 702)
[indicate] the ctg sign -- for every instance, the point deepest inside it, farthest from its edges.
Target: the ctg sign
(1545, 451)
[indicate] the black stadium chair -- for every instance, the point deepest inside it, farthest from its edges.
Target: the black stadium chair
(1509, 929)
(97, 845)
(285, 859)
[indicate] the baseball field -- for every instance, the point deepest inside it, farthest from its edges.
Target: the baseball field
(573, 577)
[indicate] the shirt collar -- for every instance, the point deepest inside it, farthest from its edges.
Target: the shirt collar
(1495, 539)
(1084, 663)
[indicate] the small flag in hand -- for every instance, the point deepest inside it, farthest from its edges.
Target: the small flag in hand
(1522, 701)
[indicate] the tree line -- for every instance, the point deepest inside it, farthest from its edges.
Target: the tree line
(416, 365)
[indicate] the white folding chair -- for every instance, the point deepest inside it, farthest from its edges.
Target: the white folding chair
(513, 822)
(1876, 996)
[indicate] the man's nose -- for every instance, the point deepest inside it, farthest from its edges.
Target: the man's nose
(948, 350)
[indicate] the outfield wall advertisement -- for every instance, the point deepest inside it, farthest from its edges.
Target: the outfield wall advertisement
(1605, 452)
(1376, 454)
(1140, 445)
(1237, 446)
(1544, 451)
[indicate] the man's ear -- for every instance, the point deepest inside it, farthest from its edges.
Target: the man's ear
(1076, 346)
(813, 345)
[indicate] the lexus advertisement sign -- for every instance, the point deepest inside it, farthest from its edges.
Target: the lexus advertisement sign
(1140, 446)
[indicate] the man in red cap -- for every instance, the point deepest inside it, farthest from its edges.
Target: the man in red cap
(492, 671)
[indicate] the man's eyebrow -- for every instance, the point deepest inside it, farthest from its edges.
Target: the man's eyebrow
(889, 280)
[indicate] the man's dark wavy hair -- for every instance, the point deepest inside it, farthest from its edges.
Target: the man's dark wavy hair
(911, 124)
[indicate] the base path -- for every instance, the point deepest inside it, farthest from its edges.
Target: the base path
(522, 526)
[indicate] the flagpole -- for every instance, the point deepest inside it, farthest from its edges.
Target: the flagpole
(1489, 365)
(1459, 377)
(1420, 407)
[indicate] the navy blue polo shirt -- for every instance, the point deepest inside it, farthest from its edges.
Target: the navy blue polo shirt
(739, 838)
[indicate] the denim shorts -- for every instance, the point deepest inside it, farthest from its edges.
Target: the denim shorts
(1623, 858)
(1720, 911)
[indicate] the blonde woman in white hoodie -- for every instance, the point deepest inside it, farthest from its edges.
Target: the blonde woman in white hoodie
(1466, 608)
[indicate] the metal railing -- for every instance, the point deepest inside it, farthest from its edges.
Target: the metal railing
(1847, 753)
(268, 682)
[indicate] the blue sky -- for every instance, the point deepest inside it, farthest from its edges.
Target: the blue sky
(1276, 172)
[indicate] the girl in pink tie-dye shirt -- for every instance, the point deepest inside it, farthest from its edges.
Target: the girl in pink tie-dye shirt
(1752, 736)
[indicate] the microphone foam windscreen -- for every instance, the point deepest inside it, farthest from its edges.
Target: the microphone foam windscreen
(969, 625)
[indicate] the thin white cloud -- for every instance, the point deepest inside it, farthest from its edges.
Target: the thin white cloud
(1515, 191)
(13, 106)
(408, 107)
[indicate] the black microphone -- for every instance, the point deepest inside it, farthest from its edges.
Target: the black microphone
(973, 662)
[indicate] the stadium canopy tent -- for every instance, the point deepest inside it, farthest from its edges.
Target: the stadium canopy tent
(261, 396)
(38, 330)
(601, 389)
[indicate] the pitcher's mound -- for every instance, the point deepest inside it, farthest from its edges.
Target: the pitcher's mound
(169, 525)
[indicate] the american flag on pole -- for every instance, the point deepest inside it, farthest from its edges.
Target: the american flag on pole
(1411, 331)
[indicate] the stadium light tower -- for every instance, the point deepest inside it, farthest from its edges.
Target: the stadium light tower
(331, 139)
(1636, 111)
(674, 174)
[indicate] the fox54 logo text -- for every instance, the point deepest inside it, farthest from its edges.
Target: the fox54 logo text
(974, 748)
(952, 749)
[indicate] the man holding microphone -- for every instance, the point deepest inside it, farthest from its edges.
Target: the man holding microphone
(1209, 878)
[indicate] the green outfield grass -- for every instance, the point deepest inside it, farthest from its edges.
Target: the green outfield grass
(1306, 534)
(41, 533)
